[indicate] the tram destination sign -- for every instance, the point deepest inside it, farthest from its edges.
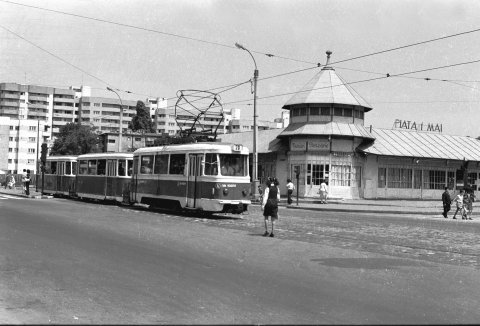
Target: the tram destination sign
(417, 126)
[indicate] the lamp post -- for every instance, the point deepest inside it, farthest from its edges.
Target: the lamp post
(255, 127)
(121, 120)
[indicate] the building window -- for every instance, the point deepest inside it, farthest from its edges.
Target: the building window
(417, 179)
(11, 127)
(96, 112)
(341, 175)
(316, 173)
(31, 150)
(111, 141)
(472, 180)
(434, 179)
(30, 161)
(96, 104)
(10, 150)
(32, 139)
(451, 179)
(314, 111)
(399, 178)
(32, 128)
(10, 138)
(382, 177)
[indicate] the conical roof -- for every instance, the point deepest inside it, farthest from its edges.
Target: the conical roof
(327, 87)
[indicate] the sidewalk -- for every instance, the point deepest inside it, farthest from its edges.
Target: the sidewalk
(18, 192)
(391, 206)
(400, 206)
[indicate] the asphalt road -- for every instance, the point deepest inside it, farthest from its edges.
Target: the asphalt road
(66, 261)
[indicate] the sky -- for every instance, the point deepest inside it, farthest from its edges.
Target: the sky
(156, 48)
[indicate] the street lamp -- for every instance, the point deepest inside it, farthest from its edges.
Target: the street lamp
(255, 128)
(121, 120)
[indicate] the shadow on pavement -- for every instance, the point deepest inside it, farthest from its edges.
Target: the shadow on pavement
(367, 263)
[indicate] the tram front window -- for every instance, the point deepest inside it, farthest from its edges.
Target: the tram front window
(233, 165)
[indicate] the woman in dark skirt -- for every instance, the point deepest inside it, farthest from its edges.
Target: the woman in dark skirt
(271, 196)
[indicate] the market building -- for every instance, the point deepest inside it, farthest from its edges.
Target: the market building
(327, 140)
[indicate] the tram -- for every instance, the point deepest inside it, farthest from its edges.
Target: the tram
(104, 176)
(59, 176)
(209, 177)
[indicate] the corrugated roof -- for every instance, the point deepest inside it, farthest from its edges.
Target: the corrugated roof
(267, 140)
(327, 87)
(393, 142)
(324, 129)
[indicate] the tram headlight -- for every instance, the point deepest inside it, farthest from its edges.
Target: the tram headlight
(244, 192)
(225, 191)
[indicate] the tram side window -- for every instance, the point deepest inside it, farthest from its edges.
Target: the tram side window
(211, 164)
(83, 167)
(101, 166)
(74, 168)
(47, 167)
(161, 164)
(130, 167)
(177, 164)
(92, 167)
(53, 167)
(146, 164)
(233, 165)
(121, 168)
(68, 168)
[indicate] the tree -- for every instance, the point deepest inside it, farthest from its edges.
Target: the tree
(75, 139)
(142, 120)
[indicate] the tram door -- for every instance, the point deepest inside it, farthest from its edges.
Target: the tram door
(110, 177)
(194, 171)
(60, 176)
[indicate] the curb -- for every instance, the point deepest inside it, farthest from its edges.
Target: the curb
(369, 211)
(25, 196)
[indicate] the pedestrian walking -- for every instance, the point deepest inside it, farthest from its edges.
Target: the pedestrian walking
(24, 177)
(323, 191)
(7, 179)
(290, 188)
(271, 197)
(459, 202)
(11, 182)
(447, 201)
(468, 200)
(27, 183)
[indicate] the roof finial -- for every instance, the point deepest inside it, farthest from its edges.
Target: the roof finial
(328, 57)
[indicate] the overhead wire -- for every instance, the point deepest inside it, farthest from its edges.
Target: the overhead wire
(224, 45)
(388, 75)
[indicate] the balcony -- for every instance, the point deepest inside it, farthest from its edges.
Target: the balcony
(35, 114)
(9, 103)
(10, 111)
(10, 96)
(63, 115)
(63, 107)
(37, 106)
(38, 98)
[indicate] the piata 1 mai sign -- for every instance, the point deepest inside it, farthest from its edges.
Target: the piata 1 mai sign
(417, 126)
